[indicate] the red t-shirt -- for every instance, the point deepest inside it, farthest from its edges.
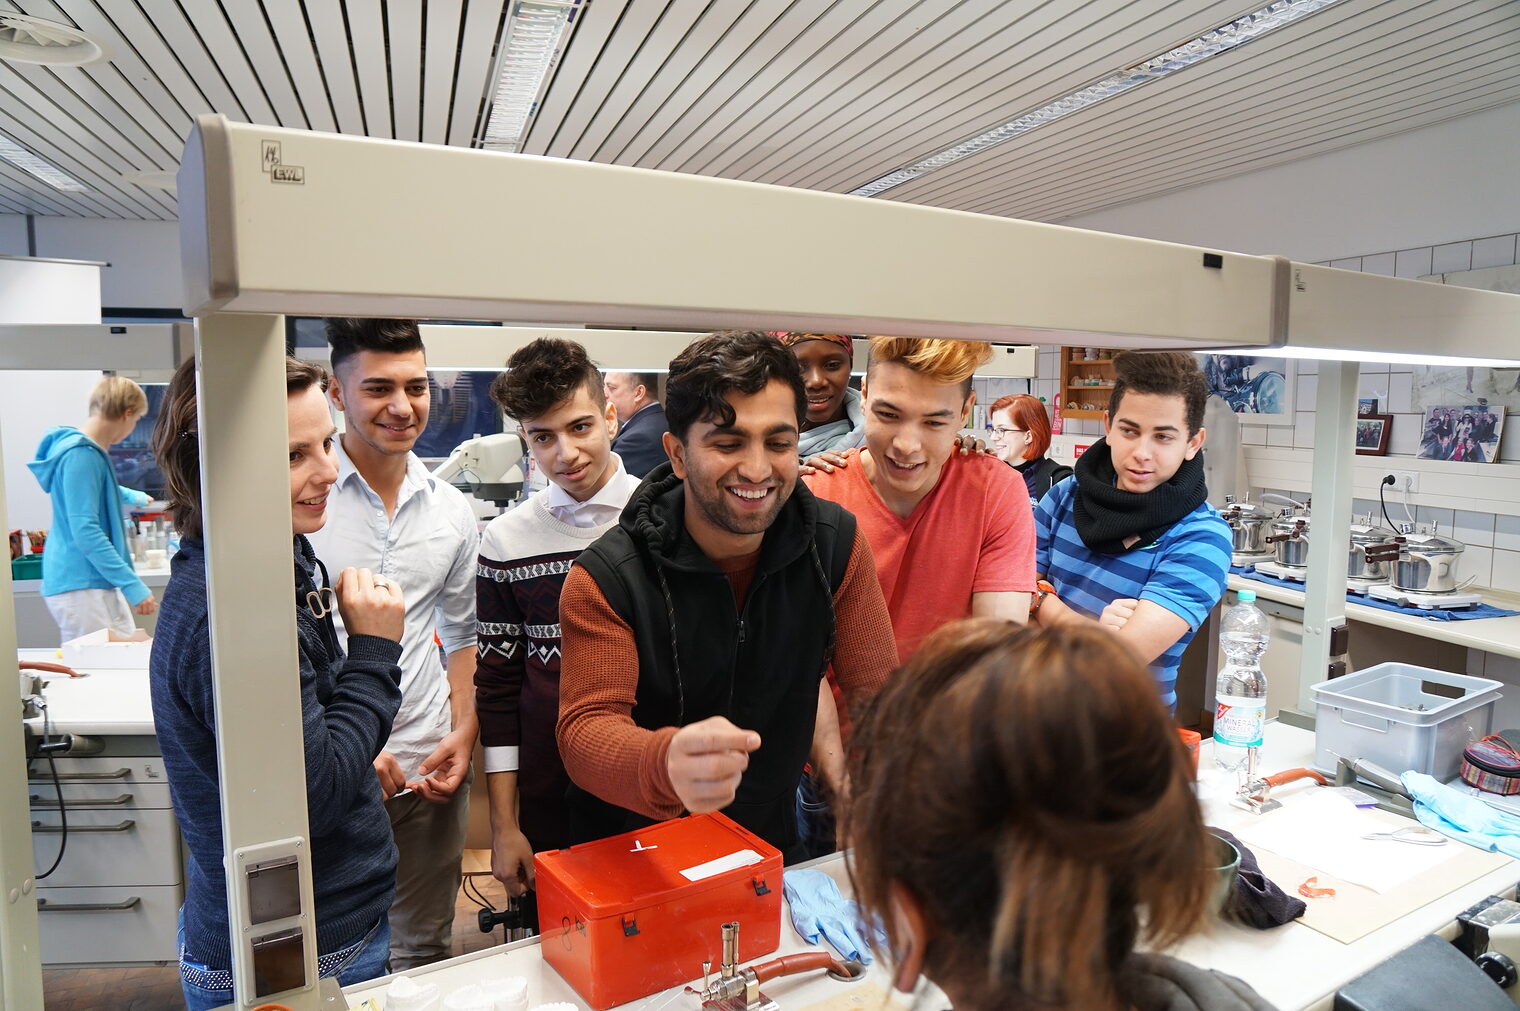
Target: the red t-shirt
(973, 533)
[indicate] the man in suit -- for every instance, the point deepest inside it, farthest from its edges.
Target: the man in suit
(641, 420)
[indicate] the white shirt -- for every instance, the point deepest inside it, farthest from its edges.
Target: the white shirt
(598, 510)
(428, 548)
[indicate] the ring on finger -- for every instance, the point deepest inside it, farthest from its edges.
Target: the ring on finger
(382, 582)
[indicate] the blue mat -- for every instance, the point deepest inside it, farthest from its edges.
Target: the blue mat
(1429, 614)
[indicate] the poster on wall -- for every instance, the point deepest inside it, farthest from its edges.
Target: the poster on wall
(1464, 432)
(1260, 390)
(1439, 385)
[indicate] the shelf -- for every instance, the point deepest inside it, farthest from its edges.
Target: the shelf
(1081, 415)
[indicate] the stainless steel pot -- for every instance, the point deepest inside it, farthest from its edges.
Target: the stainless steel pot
(1290, 540)
(1248, 527)
(1372, 549)
(1427, 563)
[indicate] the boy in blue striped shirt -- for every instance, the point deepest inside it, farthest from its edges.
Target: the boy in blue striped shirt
(1129, 541)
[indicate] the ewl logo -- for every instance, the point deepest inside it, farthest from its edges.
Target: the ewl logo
(276, 169)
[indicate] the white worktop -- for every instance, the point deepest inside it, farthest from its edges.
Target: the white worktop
(1293, 967)
(1491, 635)
(103, 703)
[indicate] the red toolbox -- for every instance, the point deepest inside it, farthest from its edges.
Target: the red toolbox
(625, 917)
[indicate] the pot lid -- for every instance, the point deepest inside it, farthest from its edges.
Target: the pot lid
(1371, 533)
(1247, 511)
(1433, 544)
(1283, 524)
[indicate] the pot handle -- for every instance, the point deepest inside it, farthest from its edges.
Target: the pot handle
(1464, 584)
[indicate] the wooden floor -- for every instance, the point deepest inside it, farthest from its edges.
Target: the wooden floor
(157, 989)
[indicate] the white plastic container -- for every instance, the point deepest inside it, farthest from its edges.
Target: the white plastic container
(1402, 717)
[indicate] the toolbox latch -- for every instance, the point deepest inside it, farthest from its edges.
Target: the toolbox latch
(630, 927)
(761, 888)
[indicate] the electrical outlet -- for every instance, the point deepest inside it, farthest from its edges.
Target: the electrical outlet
(1405, 480)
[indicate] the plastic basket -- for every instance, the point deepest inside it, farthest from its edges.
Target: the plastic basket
(1402, 717)
(26, 567)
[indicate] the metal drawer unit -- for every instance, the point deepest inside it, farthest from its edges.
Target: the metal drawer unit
(115, 897)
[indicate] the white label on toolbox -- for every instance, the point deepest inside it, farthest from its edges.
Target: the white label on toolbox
(742, 858)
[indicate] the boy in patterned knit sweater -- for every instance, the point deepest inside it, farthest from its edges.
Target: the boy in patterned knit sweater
(555, 394)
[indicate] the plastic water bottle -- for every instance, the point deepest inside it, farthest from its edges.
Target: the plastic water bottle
(1241, 691)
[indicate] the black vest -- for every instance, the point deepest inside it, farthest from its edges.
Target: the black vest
(759, 667)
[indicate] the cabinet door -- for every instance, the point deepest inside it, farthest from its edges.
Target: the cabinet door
(108, 926)
(107, 847)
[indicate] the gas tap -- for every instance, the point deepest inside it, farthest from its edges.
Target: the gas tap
(737, 989)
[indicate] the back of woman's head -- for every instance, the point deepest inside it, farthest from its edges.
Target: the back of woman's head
(114, 396)
(1028, 789)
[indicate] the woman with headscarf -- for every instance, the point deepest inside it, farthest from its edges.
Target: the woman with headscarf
(834, 421)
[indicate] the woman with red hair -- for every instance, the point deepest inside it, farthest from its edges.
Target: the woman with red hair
(1021, 436)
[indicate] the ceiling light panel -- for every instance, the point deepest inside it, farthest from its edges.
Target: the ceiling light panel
(535, 36)
(38, 168)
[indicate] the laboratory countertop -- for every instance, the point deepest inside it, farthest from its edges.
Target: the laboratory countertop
(1491, 635)
(104, 703)
(150, 577)
(1293, 967)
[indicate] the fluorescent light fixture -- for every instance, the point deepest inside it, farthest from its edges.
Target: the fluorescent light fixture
(32, 165)
(1382, 357)
(1220, 40)
(534, 38)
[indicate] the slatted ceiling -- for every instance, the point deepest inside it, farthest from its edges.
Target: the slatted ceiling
(403, 31)
(596, 22)
(1234, 108)
(330, 31)
(23, 119)
(287, 18)
(686, 75)
(473, 80)
(367, 34)
(821, 94)
(624, 75)
(1052, 58)
(442, 35)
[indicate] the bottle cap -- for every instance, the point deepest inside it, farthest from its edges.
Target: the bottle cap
(1245, 596)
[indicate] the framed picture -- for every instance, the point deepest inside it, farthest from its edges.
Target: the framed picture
(1366, 406)
(1465, 432)
(1372, 434)
(1260, 390)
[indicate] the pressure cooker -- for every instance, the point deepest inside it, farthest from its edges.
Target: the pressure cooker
(1372, 548)
(1427, 563)
(1290, 540)
(1248, 527)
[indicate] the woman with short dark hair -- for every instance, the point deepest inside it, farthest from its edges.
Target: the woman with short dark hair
(1022, 816)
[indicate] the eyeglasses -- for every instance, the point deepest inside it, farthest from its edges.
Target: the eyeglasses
(1004, 433)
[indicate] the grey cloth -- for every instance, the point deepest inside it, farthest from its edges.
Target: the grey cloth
(1256, 900)
(1162, 983)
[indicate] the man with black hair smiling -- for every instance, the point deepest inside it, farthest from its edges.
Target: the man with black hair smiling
(554, 394)
(1130, 541)
(697, 631)
(389, 514)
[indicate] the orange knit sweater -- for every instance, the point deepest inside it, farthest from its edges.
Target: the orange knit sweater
(607, 754)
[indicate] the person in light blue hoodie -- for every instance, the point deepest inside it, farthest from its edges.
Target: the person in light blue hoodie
(88, 581)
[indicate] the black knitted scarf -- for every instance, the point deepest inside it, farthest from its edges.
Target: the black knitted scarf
(1107, 516)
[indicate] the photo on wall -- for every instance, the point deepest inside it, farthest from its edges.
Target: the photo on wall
(1372, 432)
(1464, 432)
(1258, 389)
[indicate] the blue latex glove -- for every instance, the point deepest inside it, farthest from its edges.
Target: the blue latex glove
(1462, 817)
(818, 910)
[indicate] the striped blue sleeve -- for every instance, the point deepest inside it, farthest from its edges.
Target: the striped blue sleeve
(1190, 578)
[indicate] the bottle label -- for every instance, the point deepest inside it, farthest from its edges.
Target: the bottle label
(1240, 724)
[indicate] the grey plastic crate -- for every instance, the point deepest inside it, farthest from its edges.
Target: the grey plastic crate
(1402, 717)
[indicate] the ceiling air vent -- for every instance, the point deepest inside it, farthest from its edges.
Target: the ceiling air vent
(25, 39)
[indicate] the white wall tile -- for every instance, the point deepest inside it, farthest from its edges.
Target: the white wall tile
(1400, 394)
(1412, 262)
(1303, 429)
(1404, 440)
(1474, 529)
(1506, 570)
(1350, 263)
(1509, 448)
(1375, 385)
(1382, 263)
(1451, 258)
(1253, 435)
(1477, 564)
(1495, 251)
(1308, 367)
(1507, 532)
(1425, 515)
(1280, 435)
(1308, 389)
